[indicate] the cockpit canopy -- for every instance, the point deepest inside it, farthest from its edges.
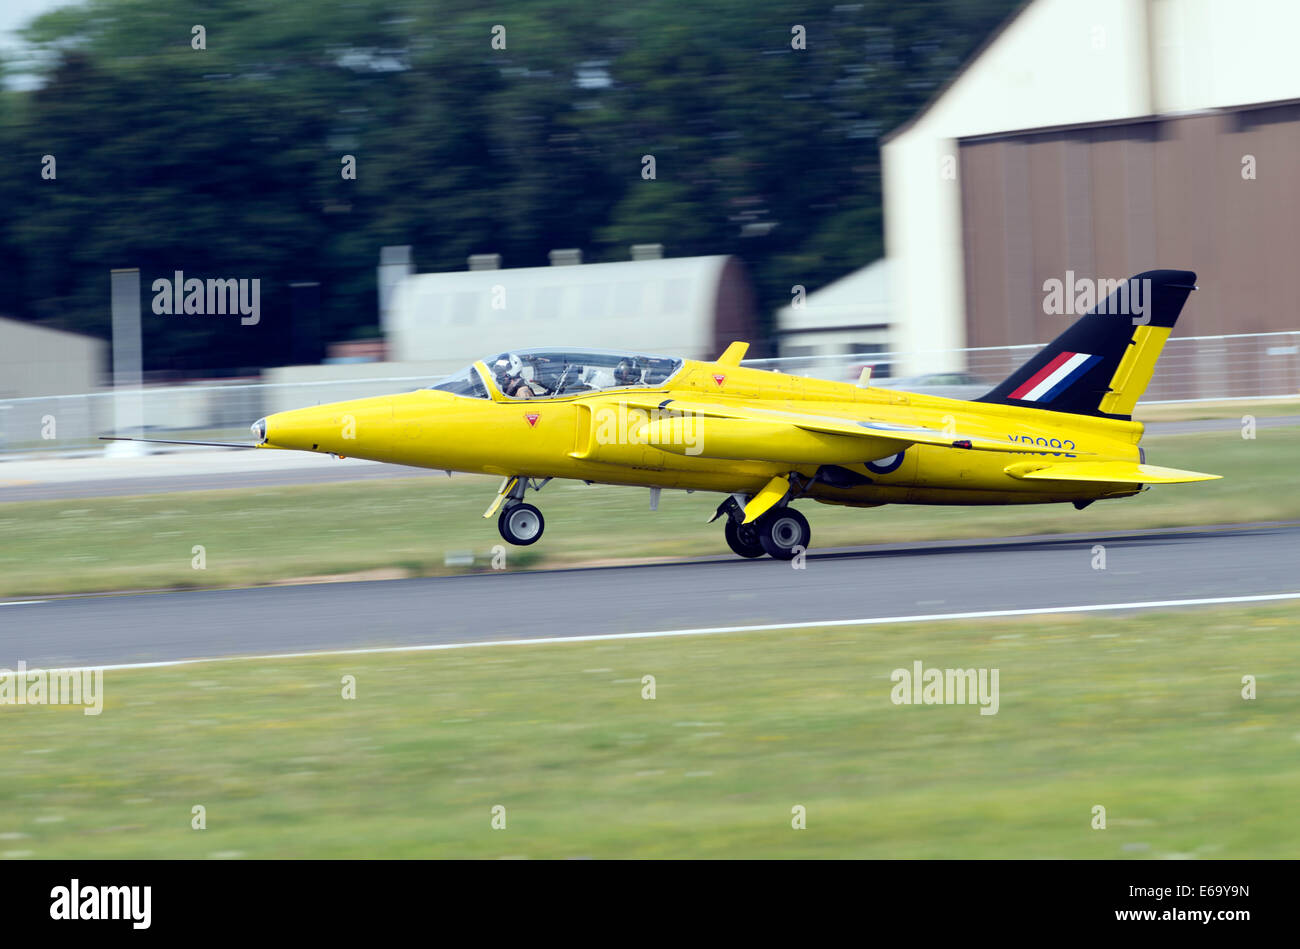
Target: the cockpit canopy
(545, 373)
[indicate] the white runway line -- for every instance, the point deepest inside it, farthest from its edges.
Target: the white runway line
(23, 602)
(704, 631)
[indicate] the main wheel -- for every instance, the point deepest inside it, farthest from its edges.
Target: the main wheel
(743, 538)
(783, 532)
(521, 524)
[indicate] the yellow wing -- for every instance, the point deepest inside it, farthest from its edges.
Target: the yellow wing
(747, 431)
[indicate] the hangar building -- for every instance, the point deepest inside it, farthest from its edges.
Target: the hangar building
(1100, 139)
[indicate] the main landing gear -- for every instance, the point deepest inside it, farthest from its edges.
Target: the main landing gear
(743, 539)
(519, 523)
(781, 532)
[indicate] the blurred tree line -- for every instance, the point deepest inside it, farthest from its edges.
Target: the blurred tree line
(226, 161)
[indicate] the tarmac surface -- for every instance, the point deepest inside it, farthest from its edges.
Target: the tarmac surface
(926, 580)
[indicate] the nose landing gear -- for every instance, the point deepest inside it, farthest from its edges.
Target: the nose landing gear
(518, 523)
(521, 524)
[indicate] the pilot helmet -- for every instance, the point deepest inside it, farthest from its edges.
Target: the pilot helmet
(508, 364)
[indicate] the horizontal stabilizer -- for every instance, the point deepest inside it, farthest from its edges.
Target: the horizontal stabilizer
(1119, 472)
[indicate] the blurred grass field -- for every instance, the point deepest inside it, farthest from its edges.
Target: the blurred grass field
(407, 527)
(1140, 714)
(1226, 408)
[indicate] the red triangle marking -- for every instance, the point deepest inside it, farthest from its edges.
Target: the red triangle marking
(532, 418)
(719, 379)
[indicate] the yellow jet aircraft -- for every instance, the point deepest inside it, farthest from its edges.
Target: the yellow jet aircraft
(1058, 430)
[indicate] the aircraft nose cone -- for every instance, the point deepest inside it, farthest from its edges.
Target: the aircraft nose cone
(360, 428)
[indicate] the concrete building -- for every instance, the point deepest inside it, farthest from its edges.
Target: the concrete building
(1100, 138)
(852, 315)
(36, 361)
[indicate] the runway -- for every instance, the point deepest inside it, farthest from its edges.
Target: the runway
(927, 579)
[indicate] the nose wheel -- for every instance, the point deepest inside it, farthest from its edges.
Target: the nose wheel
(521, 524)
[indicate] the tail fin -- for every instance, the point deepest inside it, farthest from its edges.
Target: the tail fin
(1101, 365)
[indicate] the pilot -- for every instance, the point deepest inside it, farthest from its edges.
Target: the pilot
(508, 369)
(626, 373)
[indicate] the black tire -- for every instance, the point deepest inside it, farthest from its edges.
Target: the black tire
(783, 533)
(743, 539)
(521, 525)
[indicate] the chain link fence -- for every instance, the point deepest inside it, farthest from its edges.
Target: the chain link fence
(1191, 368)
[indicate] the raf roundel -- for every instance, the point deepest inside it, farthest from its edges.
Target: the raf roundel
(886, 465)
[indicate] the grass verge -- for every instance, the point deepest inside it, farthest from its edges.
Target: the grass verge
(1142, 715)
